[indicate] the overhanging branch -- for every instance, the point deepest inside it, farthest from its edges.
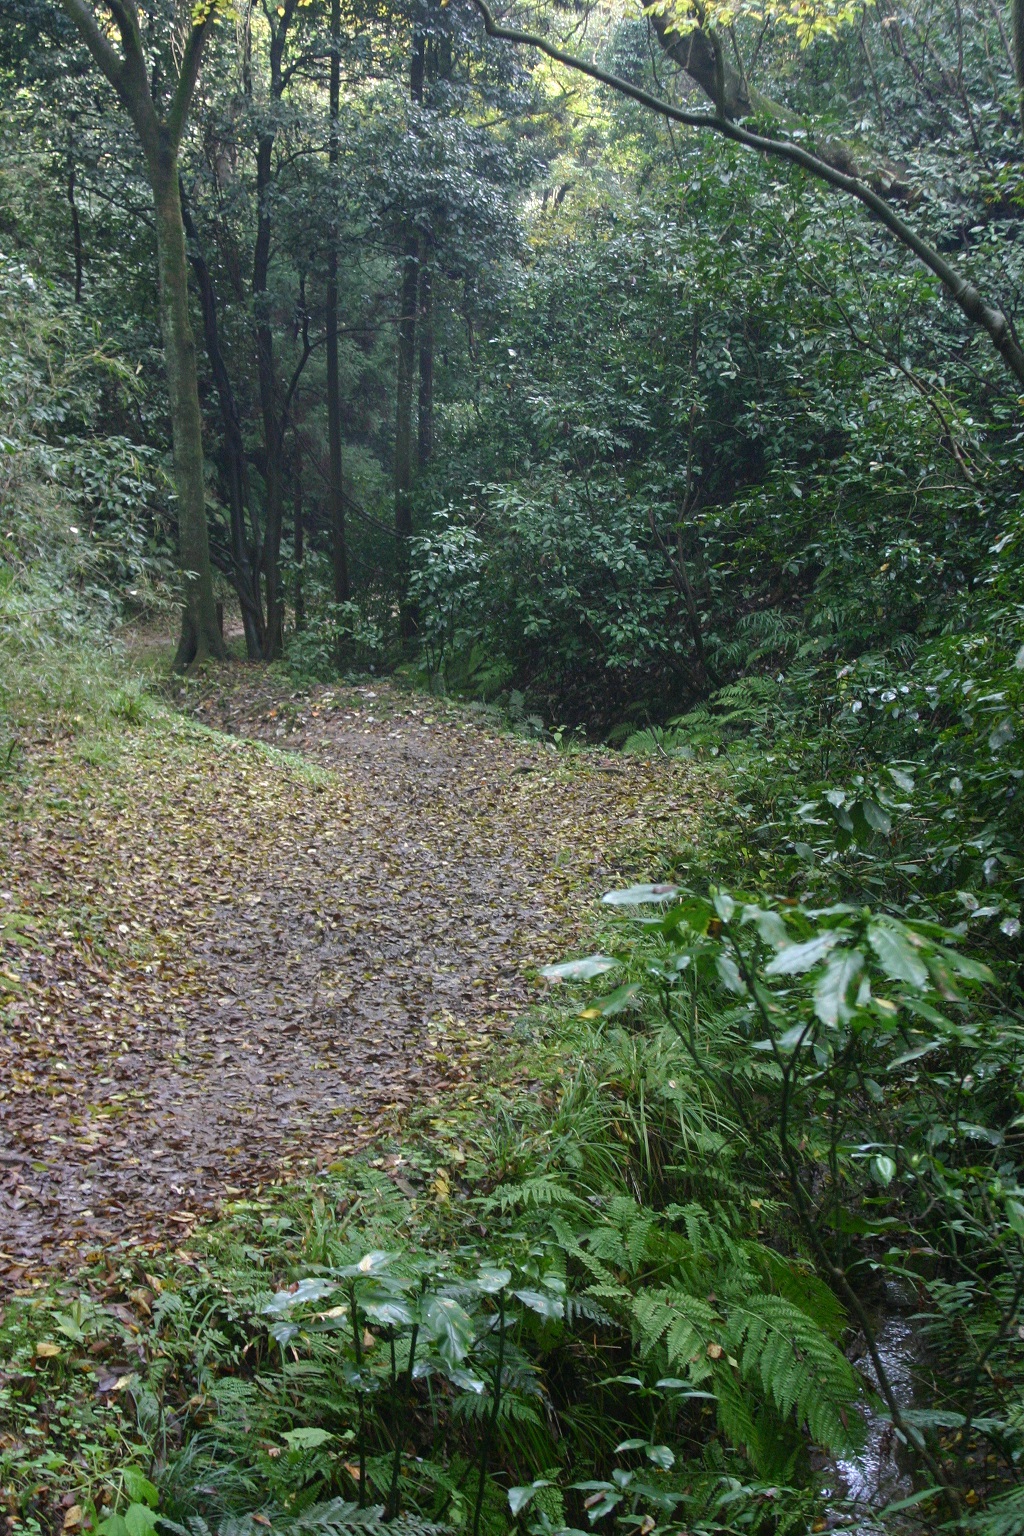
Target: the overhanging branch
(963, 293)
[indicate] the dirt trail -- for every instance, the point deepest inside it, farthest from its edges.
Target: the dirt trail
(224, 967)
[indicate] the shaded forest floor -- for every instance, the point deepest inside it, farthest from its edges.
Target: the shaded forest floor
(238, 941)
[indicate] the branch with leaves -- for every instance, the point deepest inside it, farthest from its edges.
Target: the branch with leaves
(963, 293)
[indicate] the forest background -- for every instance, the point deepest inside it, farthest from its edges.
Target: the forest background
(645, 377)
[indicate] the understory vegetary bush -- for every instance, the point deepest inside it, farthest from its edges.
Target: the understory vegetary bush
(625, 1302)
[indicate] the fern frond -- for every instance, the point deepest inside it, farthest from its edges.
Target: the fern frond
(543, 1189)
(800, 1369)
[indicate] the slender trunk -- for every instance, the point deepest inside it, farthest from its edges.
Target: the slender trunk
(1017, 33)
(273, 475)
(200, 633)
(299, 550)
(336, 485)
(235, 470)
(76, 229)
(403, 431)
(406, 370)
(426, 339)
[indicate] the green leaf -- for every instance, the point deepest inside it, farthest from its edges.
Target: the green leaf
(617, 1001)
(139, 1488)
(450, 1326)
(544, 1306)
(390, 1313)
(882, 1169)
(306, 1290)
(639, 895)
(877, 819)
(579, 970)
(830, 994)
(908, 1056)
(970, 970)
(307, 1439)
(492, 1279)
(796, 958)
(1015, 1216)
(139, 1520)
(897, 957)
(518, 1498)
(467, 1380)
(728, 970)
(662, 1456)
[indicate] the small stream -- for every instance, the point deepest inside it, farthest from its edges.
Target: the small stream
(879, 1474)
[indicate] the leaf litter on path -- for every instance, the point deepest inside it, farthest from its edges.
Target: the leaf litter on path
(223, 966)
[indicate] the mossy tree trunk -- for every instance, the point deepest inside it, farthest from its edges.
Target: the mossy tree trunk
(336, 486)
(200, 632)
(159, 127)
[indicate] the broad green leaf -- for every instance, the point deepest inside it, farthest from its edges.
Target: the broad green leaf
(877, 819)
(970, 970)
(467, 1380)
(518, 1498)
(307, 1439)
(139, 1520)
(306, 1290)
(915, 1054)
(897, 957)
(139, 1488)
(390, 1313)
(796, 958)
(491, 1279)
(662, 1456)
(1015, 1216)
(793, 1037)
(544, 1306)
(579, 970)
(728, 970)
(450, 1326)
(830, 994)
(639, 895)
(615, 1002)
(769, 925)
(882, 1169)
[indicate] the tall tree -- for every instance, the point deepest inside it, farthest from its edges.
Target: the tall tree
(336, 488)
(406, 372)
(159, 117)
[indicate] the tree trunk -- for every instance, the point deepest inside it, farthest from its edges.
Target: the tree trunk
(235, 470)
(299, 549)
(76, 227)
(273, 469)
(406, 370)
(426, 339)
(200, 635)
(403, 432)
(336, 485)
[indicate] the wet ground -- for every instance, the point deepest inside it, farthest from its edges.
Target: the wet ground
(223, 966)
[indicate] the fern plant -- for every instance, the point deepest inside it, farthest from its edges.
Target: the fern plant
(332, 1517)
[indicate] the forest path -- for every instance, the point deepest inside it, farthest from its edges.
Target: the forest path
(223, 966)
